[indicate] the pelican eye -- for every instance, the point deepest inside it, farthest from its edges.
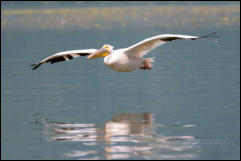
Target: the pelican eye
(106, 47)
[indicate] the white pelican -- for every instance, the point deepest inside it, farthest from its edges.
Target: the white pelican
(125, 59)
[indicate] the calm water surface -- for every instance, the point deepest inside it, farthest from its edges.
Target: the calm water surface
(186, 107)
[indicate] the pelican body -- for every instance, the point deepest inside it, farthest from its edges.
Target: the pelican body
(120, 62)
(125, 59)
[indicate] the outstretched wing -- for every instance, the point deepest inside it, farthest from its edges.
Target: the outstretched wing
(143, 47)
(64, 56)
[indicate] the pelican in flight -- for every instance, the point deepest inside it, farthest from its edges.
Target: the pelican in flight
(125, 59)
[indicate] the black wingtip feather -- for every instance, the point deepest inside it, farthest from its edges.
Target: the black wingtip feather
(213, 34)
(35, 66)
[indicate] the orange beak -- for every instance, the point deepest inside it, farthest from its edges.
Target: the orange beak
(100, 53)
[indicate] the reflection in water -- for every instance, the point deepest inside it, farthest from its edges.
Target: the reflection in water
(124, 136)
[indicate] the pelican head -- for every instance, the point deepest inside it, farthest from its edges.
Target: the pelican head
(104, 51)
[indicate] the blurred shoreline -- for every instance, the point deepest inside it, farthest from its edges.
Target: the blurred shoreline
(168, 16)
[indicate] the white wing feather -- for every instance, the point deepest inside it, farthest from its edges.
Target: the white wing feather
(143, 47)
(64, 56)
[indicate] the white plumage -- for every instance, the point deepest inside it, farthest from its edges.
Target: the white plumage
(122, 60)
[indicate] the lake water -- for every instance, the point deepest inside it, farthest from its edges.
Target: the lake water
(186, 107)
